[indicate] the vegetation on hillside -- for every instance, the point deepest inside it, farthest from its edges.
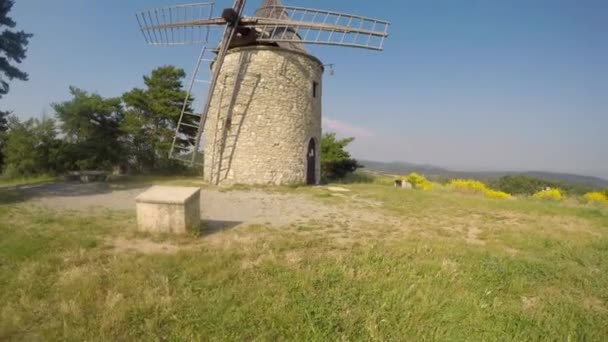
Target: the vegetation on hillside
(473, 186)
(580, 184)
(524, 185)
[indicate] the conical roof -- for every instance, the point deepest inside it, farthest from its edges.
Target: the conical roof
(272, 9)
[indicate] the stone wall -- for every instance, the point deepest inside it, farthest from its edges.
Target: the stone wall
(273, 117)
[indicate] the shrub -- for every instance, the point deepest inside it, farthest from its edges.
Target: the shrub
(596, 197)
(473, 186)
(496, 194)
(418, 181)
(468, 185)
(550, 194)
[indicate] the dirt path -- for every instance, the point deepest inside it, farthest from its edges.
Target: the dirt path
(219, 209)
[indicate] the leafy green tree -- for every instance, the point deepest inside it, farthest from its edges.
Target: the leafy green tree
(151, 117)
(13, 45)
(31, 147)
(521, 185)
(336, 162)
(91, 128)
(3, 129)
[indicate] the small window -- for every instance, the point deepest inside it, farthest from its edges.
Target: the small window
(315, 88)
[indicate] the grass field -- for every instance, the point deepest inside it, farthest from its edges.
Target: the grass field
(444, 266)
(6, 182)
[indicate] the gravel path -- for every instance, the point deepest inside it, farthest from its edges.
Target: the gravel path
(219, 209)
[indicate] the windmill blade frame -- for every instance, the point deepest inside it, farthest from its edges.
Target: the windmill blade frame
(280, 24)
(158, 25)
(313, 26)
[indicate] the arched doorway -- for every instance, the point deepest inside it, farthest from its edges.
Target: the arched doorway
(311, 162)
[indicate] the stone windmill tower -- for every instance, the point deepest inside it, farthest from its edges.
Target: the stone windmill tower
(261, 121)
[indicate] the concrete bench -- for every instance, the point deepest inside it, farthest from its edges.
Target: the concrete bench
(169, 209)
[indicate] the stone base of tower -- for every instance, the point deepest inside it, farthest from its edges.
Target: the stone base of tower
(264, 124)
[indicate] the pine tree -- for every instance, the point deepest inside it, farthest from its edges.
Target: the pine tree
(151, 117)
(13, 46)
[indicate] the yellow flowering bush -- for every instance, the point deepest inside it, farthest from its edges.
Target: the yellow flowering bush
(549, 194)
(418, 181)
(596, 197)
(496, 194)
(473, 186)
(468, 185)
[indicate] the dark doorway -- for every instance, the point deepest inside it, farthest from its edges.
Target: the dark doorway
(311, 162)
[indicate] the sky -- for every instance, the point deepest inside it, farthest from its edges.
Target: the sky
(469, 85)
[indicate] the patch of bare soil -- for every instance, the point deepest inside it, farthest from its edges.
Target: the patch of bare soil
(219, 210)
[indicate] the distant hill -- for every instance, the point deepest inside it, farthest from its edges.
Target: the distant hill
(438, 173)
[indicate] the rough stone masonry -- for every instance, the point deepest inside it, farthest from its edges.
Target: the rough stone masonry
(275, 113)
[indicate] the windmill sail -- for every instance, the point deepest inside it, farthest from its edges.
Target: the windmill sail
(313, 26)
(286, 26)
(160, 26)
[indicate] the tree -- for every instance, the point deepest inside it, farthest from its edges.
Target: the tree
(336, 162)
(521, 185)
(151, 117)
(13, 45)
(91, 127)
(31, 147)
(3, 129)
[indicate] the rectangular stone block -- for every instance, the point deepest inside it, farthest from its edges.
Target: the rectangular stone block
(169, 209)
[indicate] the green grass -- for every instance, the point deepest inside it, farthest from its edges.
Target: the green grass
(132, 181)
(6, 181)
(456, 267)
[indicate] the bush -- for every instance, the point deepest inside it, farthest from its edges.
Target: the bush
(418, 181)
(596, 197)
(468, 185)
(473, 186)
(489, 193)
(549, 194)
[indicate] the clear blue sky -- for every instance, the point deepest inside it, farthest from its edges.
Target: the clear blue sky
(467, 84)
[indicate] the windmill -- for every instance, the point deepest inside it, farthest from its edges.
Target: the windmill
(261, 117)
